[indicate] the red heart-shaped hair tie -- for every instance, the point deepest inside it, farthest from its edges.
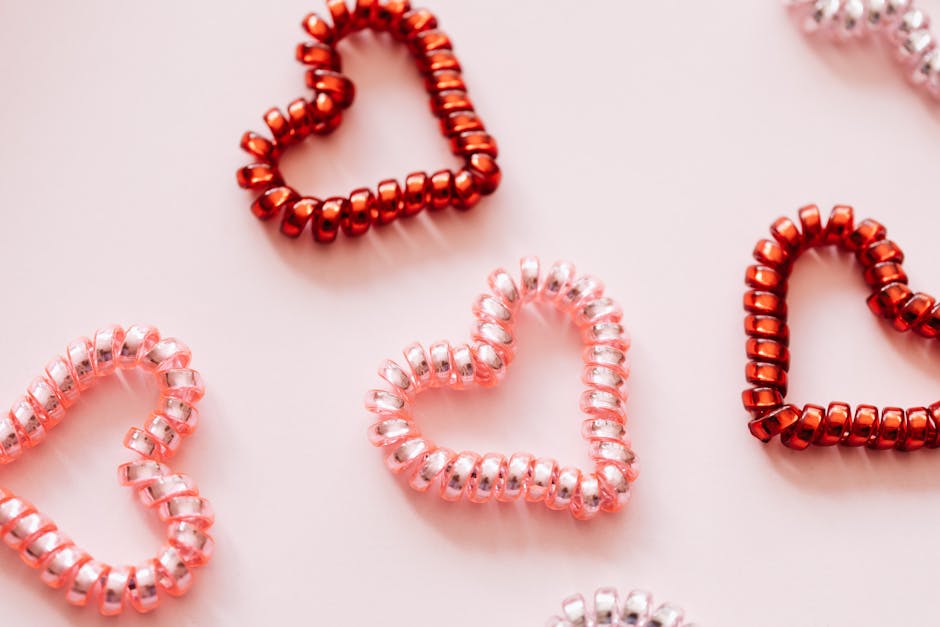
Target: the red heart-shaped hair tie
(173, 496)
(636, 609)
(322, 113)
(768, 336)
(483, 362)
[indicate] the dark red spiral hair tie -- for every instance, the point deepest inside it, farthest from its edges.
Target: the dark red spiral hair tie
(321, 114)
(768, 337)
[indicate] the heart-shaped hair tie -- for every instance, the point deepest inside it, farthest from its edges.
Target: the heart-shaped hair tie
(636, 609)
(173, 496)
(900, 24)
(321, 114)
(483, 362)
(768, 336)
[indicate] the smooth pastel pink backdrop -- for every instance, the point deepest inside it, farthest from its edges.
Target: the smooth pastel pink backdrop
(650, 143)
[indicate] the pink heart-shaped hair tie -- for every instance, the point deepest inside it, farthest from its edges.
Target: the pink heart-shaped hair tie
(174, 497)
(636, 609)
(901, 25)
(483, 362)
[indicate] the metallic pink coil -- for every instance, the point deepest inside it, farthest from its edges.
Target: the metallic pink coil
(636, 609)
(902, 25)
(483, 361)
(174, 497)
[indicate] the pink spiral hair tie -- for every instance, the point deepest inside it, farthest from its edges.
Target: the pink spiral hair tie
(174, 497)
(637, 610)
(900, 24)
(483, 362)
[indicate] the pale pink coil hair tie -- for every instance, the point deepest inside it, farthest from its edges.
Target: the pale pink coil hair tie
(483, 361)
(174, 497)
(636, 609)
(902, 25)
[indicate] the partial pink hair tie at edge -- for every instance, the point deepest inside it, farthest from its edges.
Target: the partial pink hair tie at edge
(637, 609)
(900, 24)
(173, 496)
(483, 362)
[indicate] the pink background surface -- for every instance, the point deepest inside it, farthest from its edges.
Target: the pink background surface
(650, 143)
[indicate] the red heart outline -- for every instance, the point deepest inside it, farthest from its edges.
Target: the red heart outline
(322, 114)
(483, 362)
(768, 336)
(173, 496)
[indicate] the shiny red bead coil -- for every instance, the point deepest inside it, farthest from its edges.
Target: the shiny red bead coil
(768, 336)
(321, 114)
